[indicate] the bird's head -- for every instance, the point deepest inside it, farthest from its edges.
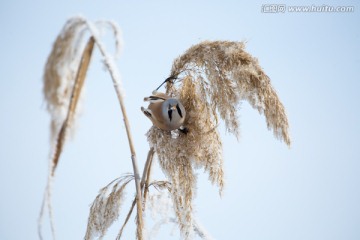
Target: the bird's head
(175, 109)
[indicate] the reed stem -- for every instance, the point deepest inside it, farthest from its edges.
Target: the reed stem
(115, 76)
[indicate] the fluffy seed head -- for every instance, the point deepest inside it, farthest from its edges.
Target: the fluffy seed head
(213, 79)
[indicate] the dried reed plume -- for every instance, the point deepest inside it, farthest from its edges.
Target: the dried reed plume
(106, 206)
(213, 78)
(65, 72)
(60, 73)
(64, 78)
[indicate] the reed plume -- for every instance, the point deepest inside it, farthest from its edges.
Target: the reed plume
(211, 79)
(60, 72)
(64, 78)
(65, 73)
(106, 207)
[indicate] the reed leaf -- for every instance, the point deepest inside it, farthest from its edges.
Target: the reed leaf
(79, 82)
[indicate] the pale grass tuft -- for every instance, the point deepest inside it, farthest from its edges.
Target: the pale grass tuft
(106, 207)
(213, 78)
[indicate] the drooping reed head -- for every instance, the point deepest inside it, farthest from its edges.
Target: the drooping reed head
(64, 77)
(212, 80)
(60, 71)
(63, 63)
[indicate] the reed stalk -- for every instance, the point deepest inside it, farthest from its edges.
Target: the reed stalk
(115, 76)
(144, 185)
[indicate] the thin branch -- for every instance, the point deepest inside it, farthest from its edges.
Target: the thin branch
(146, 174)
(126, 220)
(147, 165)
(46, 203)
(160, 185)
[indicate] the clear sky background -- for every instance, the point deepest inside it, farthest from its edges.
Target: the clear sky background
(310, 191)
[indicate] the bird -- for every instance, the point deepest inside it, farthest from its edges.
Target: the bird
(165, 112)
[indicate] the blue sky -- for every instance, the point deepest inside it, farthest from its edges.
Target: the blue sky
(310, 191)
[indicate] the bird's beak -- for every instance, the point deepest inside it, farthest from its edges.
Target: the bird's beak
(173, 108)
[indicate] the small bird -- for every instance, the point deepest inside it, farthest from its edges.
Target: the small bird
(165, 112)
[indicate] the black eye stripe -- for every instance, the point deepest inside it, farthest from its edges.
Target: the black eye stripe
(170, 114)
(179, 110)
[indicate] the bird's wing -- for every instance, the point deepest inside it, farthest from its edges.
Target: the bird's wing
(156, 98)
(156, 112)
